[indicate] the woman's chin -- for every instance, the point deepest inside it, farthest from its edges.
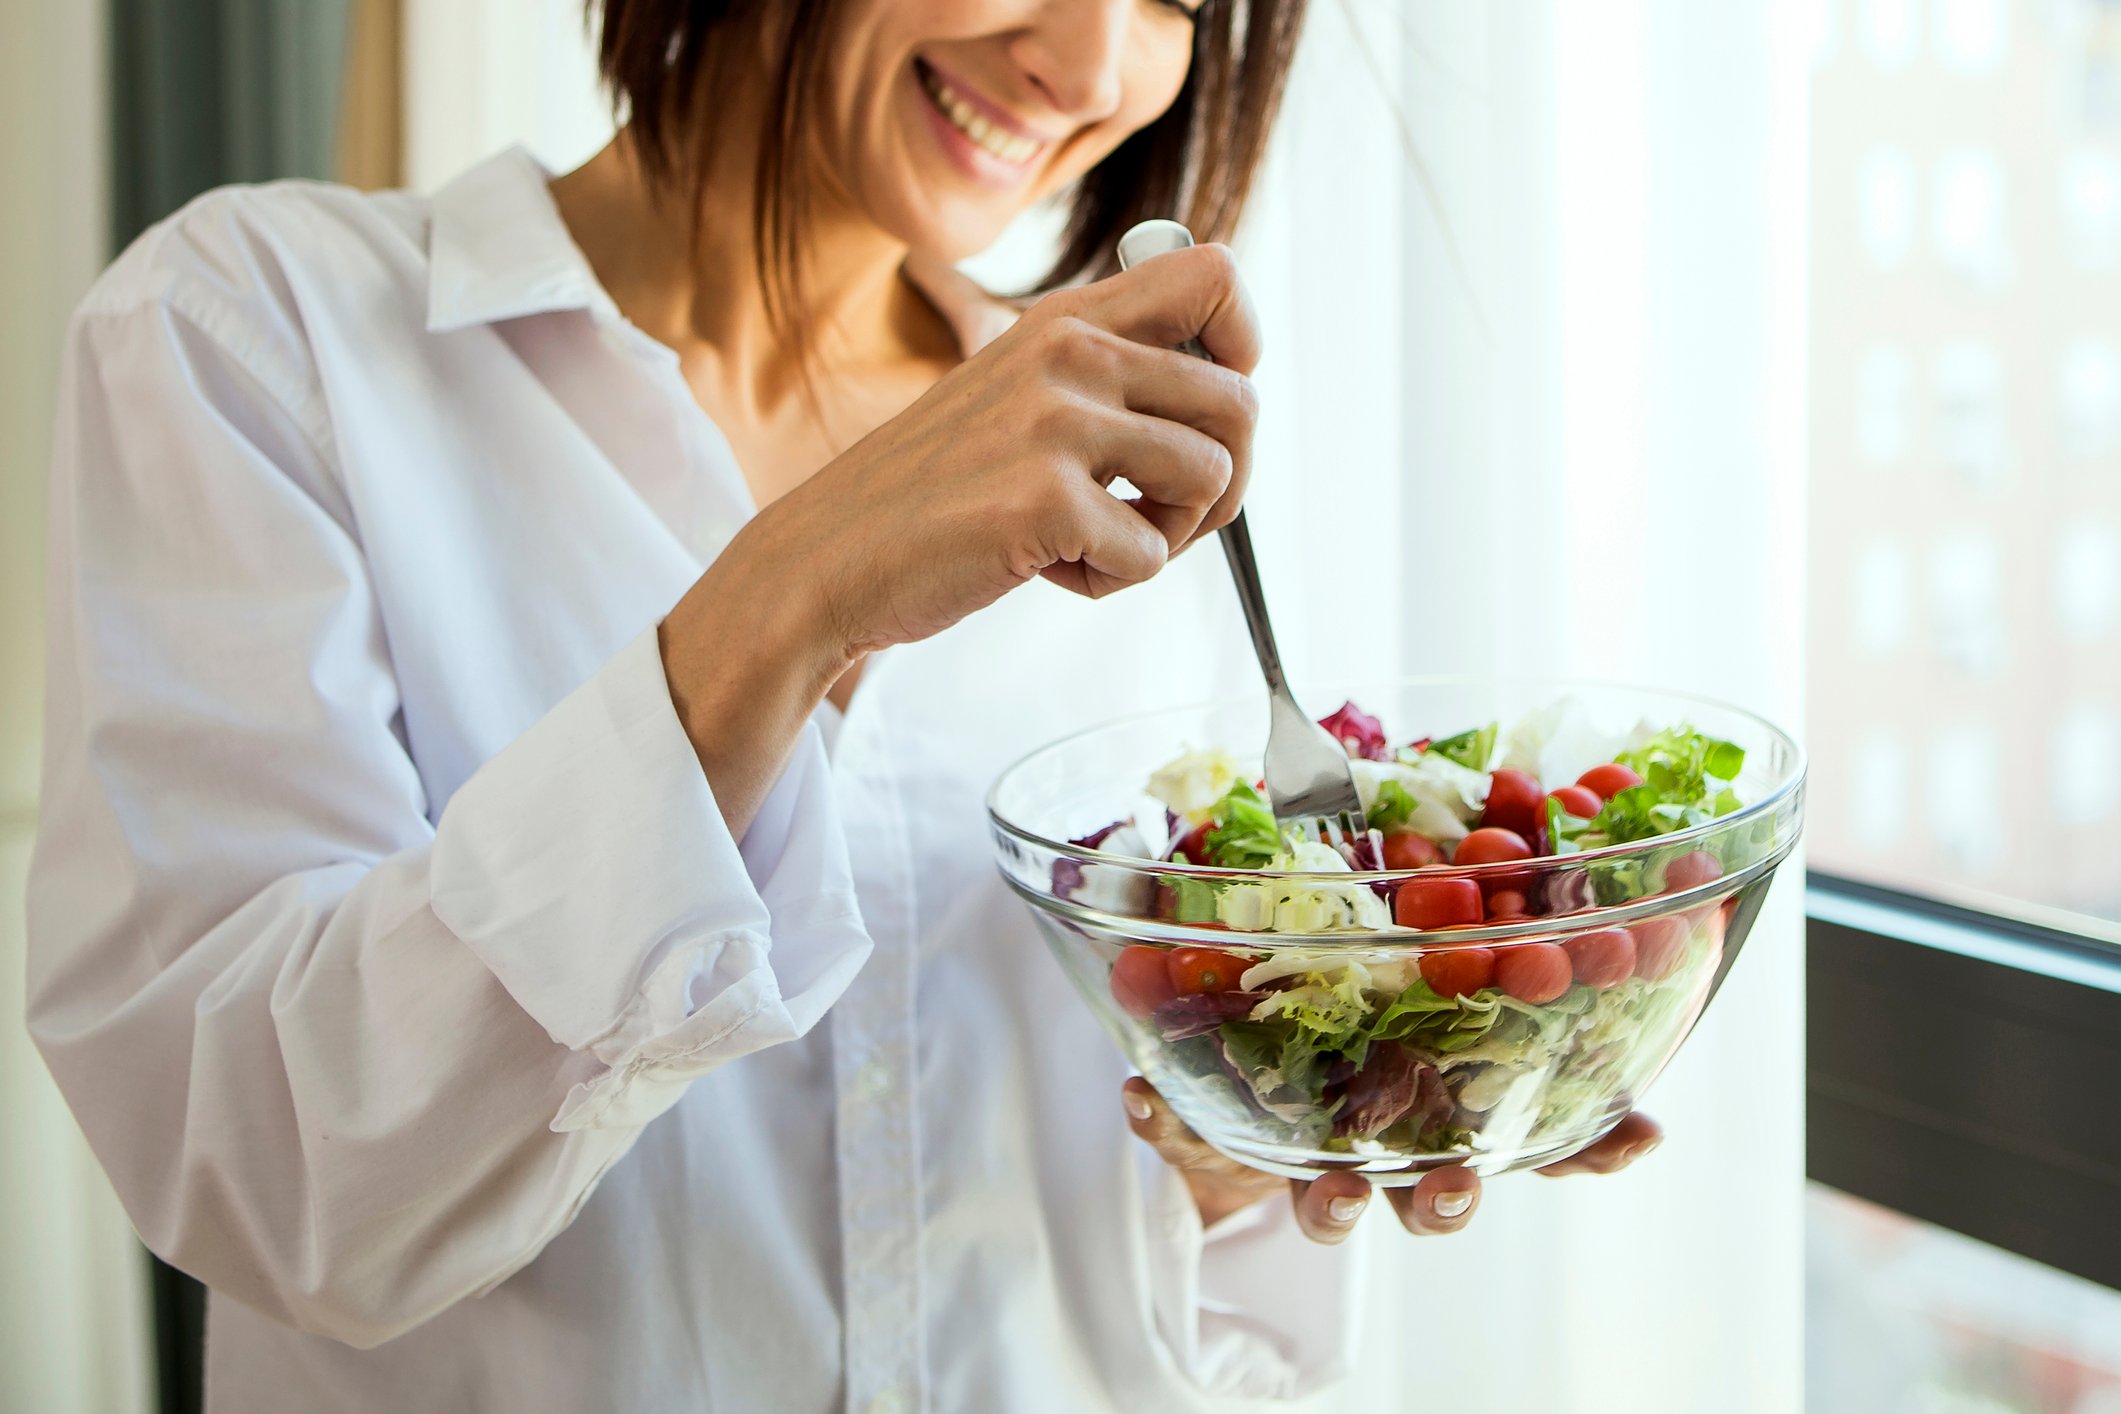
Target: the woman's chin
(954, 229)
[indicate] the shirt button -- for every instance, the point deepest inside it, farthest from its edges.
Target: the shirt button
(872, 1081)
(892, 1401)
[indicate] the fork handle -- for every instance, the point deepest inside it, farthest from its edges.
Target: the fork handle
(1237, 549)
(1152, 238)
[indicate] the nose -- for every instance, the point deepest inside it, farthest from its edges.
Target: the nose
(1073, 51)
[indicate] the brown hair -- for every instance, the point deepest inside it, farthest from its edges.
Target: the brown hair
(1197, 161)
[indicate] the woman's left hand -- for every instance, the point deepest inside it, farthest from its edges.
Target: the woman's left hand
(1326, 1207)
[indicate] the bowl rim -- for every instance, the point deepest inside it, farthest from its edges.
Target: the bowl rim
(1793, 785)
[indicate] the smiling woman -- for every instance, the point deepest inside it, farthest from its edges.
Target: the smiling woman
(921, 85)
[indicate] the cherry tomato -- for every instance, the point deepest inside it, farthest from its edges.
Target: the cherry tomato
(1411, 851)
(1608, 780)
(1141, 981)
(1195, 845)
(1515, 802)
(1533, 972)
(1204, 970)
(1659, 945)
(1491, 845)
(1506, 903)
(1580, 801)
(1601, 959)
(1691, 871)
(1436, 903)
(1455, 972)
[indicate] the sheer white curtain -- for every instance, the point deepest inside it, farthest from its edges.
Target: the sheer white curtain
(1533, 406)
(1543, 394)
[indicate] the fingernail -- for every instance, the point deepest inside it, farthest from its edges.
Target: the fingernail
(1643, 1150)
(1137, 1104)
(1345, 1210)
(1452, 1205)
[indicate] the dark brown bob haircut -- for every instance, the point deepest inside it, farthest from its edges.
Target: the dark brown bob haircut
(1195, 163)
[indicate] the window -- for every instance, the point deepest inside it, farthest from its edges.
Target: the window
(1963, 1130)
(1965, 708)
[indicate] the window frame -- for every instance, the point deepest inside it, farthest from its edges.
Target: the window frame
(1964, 1068)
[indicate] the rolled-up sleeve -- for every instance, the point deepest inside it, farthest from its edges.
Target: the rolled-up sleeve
(643, 855)
(347, 1064)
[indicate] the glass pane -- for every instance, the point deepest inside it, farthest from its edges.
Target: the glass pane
(1965, 711)
(1905, 1318)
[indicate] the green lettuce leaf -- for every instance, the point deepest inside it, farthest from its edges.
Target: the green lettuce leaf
(1472, 750)
(1392, 808)
(1245, 835)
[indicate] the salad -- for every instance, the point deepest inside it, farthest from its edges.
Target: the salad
(1462, 1048)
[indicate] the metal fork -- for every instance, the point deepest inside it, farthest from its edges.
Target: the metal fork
(1309, 782)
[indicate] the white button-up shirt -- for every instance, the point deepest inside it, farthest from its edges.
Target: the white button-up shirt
(390, 947)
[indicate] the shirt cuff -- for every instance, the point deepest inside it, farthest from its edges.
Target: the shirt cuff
(588, 866)
(1251, 1308)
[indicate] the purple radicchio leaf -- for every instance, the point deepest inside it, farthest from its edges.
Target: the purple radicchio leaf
(1201, 1012)
(1361, 734)
(1390, 1084)
(1068, 873)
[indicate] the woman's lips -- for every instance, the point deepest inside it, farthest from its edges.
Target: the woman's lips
(979, 122)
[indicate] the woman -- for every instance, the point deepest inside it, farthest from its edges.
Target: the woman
(512, 911)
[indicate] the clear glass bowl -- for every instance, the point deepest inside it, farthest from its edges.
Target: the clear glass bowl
(1488, 1079)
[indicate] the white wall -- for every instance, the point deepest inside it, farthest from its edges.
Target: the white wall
(73, 1306)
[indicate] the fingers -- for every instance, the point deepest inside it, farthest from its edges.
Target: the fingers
(1628, 1141)
(1154, 1124)
(1327, 1207)
(1186, 294)
(1098, 543)
(1181, 473)
(1442, 1202)
(1217, 402)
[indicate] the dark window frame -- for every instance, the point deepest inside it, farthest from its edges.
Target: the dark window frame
(1965, 1069)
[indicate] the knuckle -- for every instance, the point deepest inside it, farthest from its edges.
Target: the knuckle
(1244, 400)
(1074, 348)
(1218, 264)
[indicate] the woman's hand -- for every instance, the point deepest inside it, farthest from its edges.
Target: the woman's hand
(997, 475)
(999, 472)
(1327, 1207)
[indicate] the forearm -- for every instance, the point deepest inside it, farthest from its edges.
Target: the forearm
(749, 653)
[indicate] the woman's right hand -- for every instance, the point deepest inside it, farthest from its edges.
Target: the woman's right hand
(999, 472)
(996, 475)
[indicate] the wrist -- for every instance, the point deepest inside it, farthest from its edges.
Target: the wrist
(748, 654)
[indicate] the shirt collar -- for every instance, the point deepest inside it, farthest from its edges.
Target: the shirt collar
(498, 249)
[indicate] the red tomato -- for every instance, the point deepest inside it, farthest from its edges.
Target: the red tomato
(1506, 903)
(1601, 959)
(1141, 981)
(1491, 845)
(1195, 845)
(1533, 972)
(1410, 851)
(1455, 972)
(1204, 970)
(1608, 780)
(1659, 944)
(1691, 871)
(1580, 801)
(1515, 802)
(1436, 903)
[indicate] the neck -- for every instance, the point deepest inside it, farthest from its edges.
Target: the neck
(689, 279)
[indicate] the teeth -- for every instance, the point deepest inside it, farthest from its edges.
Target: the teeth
(1009, 147)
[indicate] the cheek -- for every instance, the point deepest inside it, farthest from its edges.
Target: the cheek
(1155, 72)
